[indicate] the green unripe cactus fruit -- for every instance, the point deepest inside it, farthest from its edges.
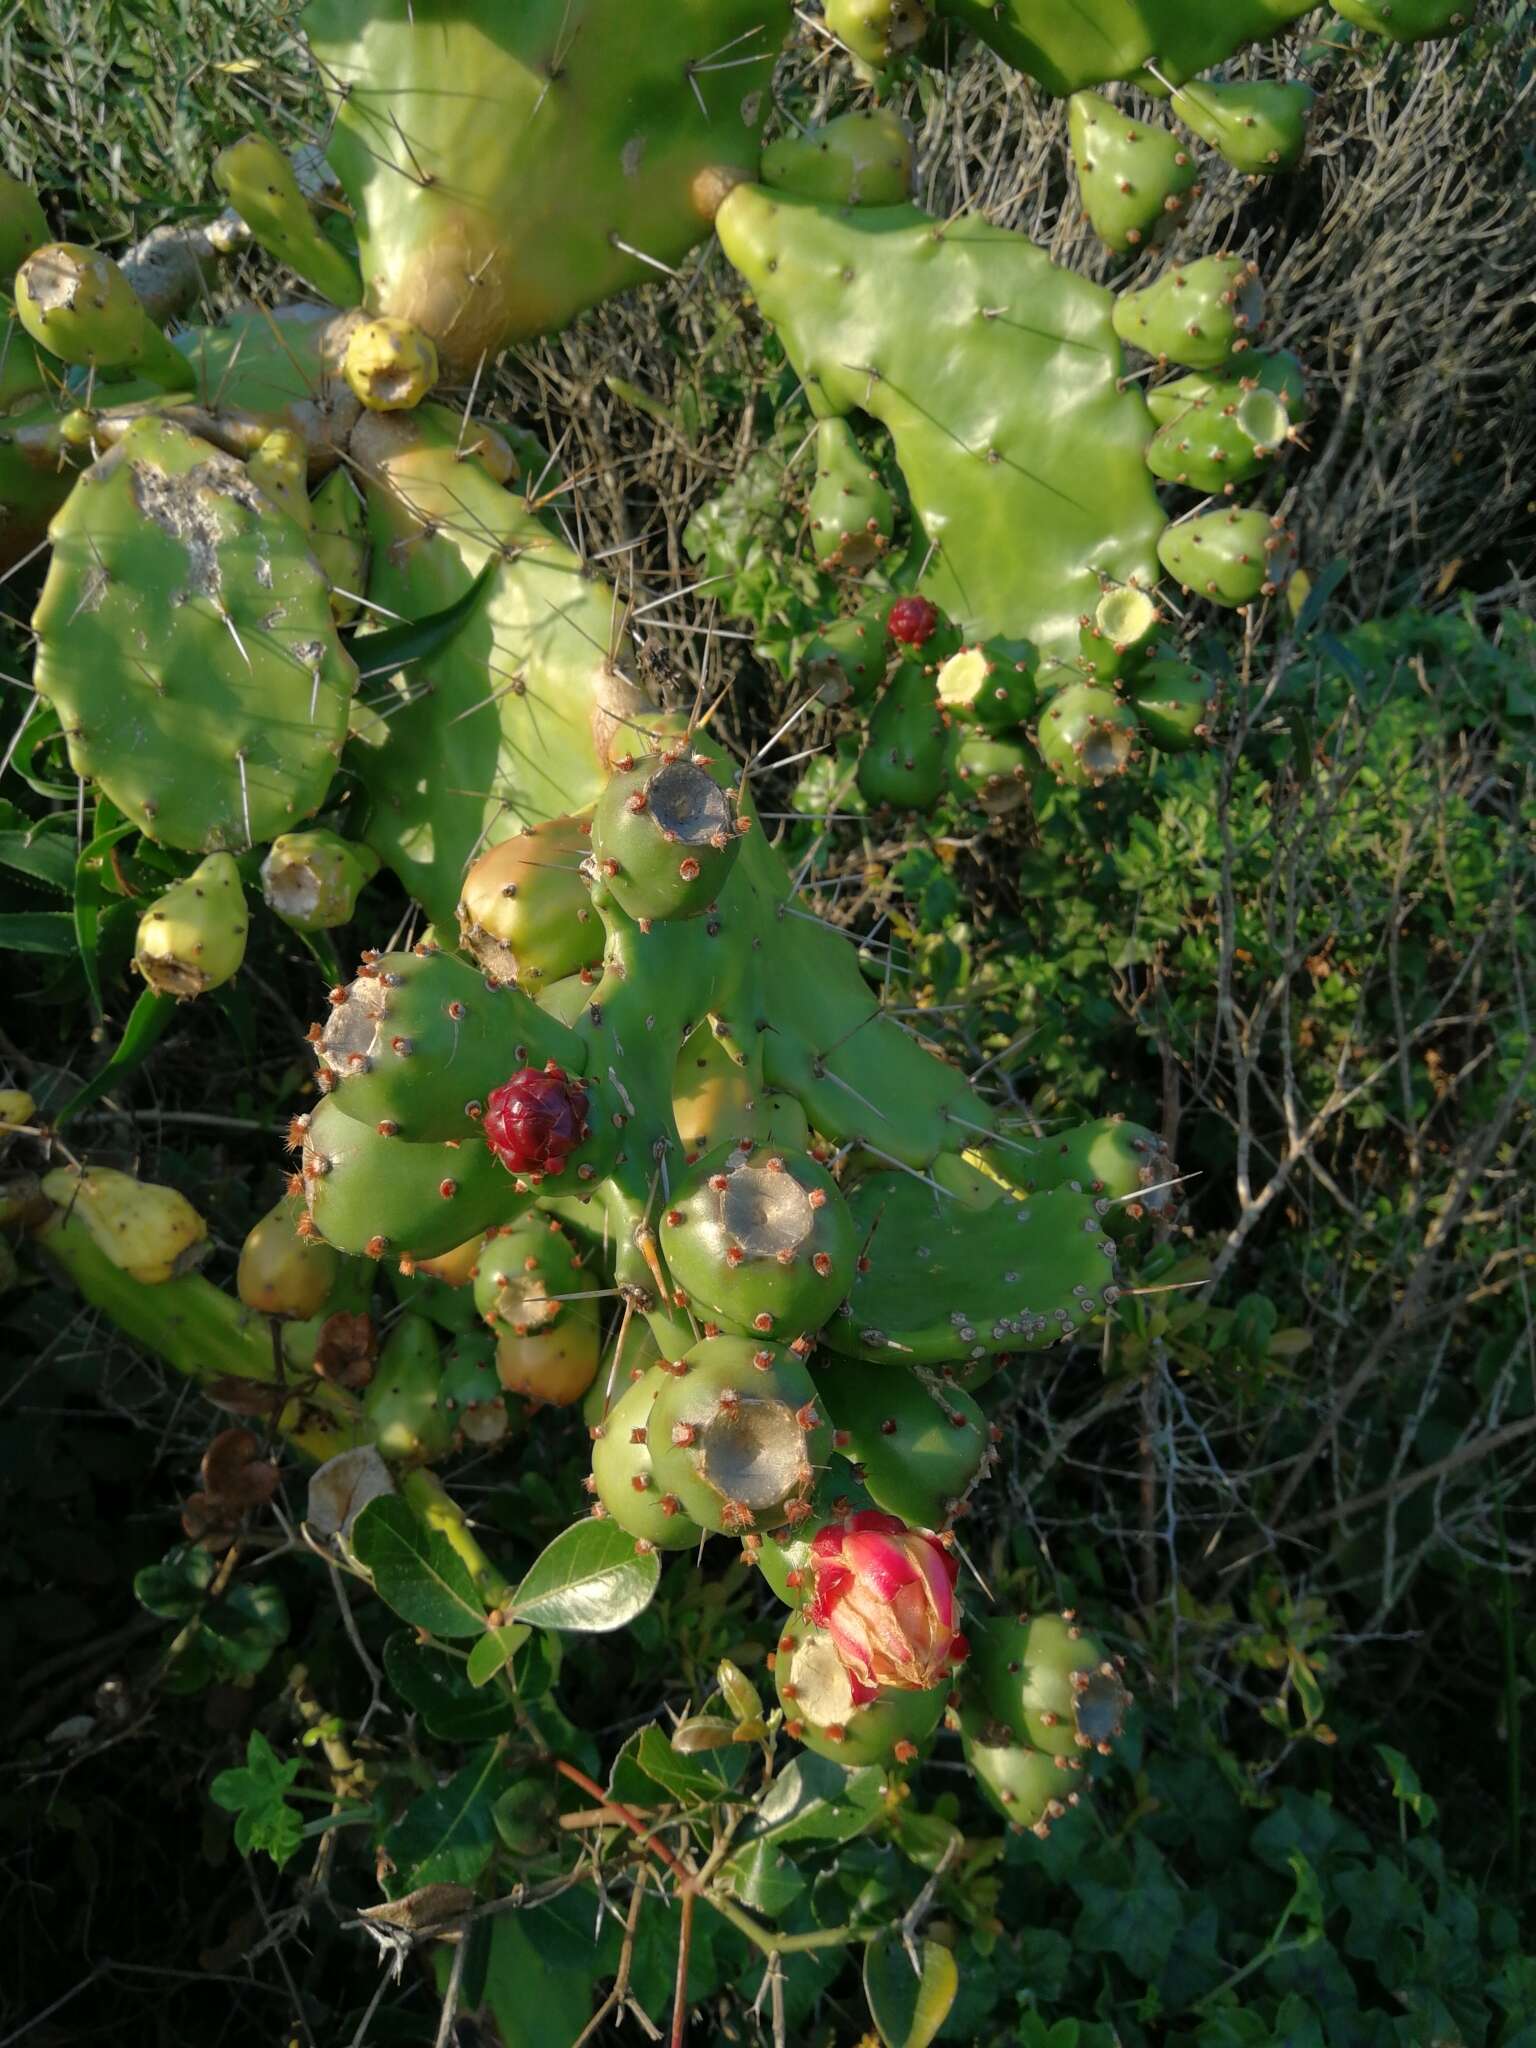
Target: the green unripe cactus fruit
(523, 1271)
(373, 1194)
(284, 1273)
(23, 226)
(1231, 557)
(994, 773)
(338, 540)
(403, 1400)
(846, 661)
(760, 1239)
(850, 510)
(1086, 735)
(418, 1040)
(1175, 705)
(819, 1709)
(1214, 446)
(1275, 370)
(906, 742)
(665, 836)
(859, 159)
(622, 1478)
(1134, 176)
(1048, 1682)
(1406, 21)
(944, 1284)
(1114, 1160)
(257, 180)
(525, 913)
(471, 1391)
(1031, 1788)
(1258, 125)
(553, 1367)
(1071, 43)
(736, 1435)
(919, 1446)
(279, 468)
(992, 686)
(77, 304)
(193, 937)
(151, 1233)
(1116, 637)
(877, 30)
(390, 366)
(312, 880)
(712, 1093)
(1199, 314)
(187, 644)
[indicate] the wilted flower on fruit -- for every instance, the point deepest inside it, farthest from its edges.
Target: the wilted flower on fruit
(886, 1596)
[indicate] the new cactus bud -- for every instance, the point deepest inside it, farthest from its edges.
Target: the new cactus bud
(338, 540)
(1113, 1160)
(23, 227)
(279, 468)
(151, 1233)
(846, 661)
(859, 159)
(1135, 176)
(77, 304)
(1049, 1683)
(994, 773)
(760, 1238)
(1199, 314)
(525, 912)
(851, 514)
(906, 741)
(1406, 21)
(992, 686)
(1031, 1788)
(877, 30)
(885, 1594)
(403, 1400)
(1176, 705)
(312, 880)
(912, 621)
(471, 1389)
(536, 1119)
(258, 181)
(1086, 735)
(390, 365)
(622, 1472)
(1258, 125)
(1231, 557)
(524, 1273)
(665, 836)
(889, 1726)
(193, 937)
(736, 1434)
(282, 1273)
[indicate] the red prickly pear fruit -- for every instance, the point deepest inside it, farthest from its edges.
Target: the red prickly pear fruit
(912, 620)
(535, 1120)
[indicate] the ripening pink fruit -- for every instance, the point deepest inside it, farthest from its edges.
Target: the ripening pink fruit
(886, 1596)
(912, 620)
(534, 1121)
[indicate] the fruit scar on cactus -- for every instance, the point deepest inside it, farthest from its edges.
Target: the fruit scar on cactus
(886, 1596)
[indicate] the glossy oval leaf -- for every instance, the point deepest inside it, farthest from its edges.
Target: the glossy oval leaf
(416, 1571)
(589, 1580)
(436, 1684)
(909, 2008)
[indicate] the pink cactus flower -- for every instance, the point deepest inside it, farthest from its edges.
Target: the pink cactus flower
(536, 1120)
(886, 1596)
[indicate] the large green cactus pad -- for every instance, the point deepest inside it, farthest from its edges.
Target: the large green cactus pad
(506, 724)
(998, 377)
(950, 1284)
(1071, 43)
(185, 638)
(506, 163)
